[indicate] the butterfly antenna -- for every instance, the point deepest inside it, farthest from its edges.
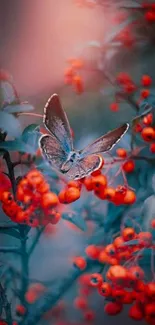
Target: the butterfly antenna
(31, 114)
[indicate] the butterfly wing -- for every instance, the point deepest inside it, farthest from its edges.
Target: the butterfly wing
(85, 167)
(52, 151)
(56, 122)
(106, 142)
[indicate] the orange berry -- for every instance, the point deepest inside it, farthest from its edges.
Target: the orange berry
(114, 107)
(105, 289)
(69, 74)
(78, 84)
(148, 134)
(49, 199)
(88, 183)
(75, 184)
(122, 153)
(145, 93)
(62, 197)
(110, 250)
(43, 188)
(146, 81)
(118, 243)
(130, 197)
(77, 63)
(103, 257)
(129, 166)
(145, 238)
(54, 217)
(152, 147)
(128, 234)
(113, 308)
(99, 182)
(109, 193)
(148, 119)
(80, 263)
(150, 290)
(136, 272)
(92, 251)
(117, 272)
(6, 197)
(96, 279)
(72, 194)
(34, 177)
(80, 303)
(120, 193)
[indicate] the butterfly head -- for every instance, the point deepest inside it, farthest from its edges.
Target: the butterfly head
(71, 160)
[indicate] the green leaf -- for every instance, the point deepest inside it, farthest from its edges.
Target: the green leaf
(31, 136)
(16, 145)
(77, 220)
(18, 108)
(10, 231)
(10, 124)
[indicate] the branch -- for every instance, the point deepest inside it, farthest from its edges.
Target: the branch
(49, 301)
(7, 158)
(6, 306)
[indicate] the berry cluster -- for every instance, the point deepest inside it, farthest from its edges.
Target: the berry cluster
(72, 75)
(124, 282)
(149, 12)
(34, 204)
(98, 183)
(128, 88)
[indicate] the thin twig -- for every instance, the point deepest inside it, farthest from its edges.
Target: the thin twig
(32, 247)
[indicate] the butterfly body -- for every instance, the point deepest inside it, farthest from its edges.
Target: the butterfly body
(58, 149)
(72, 159)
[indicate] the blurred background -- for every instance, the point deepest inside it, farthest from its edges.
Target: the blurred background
(36, 39)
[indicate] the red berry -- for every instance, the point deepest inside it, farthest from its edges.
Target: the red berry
(122, 153)
(152, 147)
(145, 93)
(113, 308)
(146, 81)
(105, 289)
(129, 166)
(135, 312)
(114, 107)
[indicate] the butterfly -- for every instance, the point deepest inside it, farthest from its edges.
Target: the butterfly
(57, 147)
